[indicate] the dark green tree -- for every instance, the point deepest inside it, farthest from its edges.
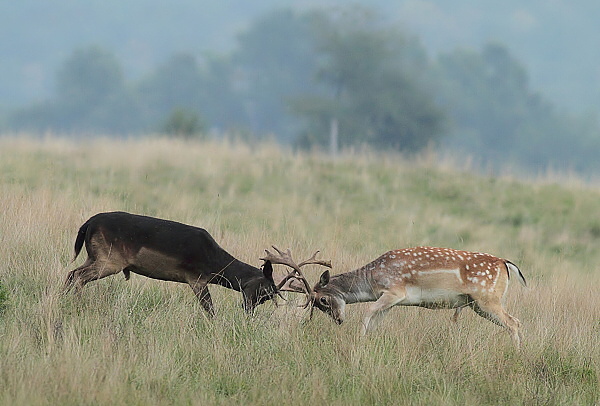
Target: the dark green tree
(497, 118)
(222, 103)
(89, 76)
(377, 91)
(275, 60)
(175, 85)
(91, 93)
(91, 96)
(183, 123)
(489, 93)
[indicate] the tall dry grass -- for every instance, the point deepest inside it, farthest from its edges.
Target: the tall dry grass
(148, 342)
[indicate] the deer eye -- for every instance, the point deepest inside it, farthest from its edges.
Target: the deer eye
(323, 300)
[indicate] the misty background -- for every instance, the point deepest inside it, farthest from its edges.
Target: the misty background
(501, 83)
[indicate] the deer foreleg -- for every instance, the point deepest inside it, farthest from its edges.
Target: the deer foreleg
(379, 309)
(200, 288)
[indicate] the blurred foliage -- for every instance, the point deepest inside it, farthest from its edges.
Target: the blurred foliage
(184, 124)
(291, 73)
(91, 96)
(176, 83)
(275, 62)
(499, 119)
(375, 77)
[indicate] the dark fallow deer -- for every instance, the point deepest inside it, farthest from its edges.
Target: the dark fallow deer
(434, 278)
(166, 250)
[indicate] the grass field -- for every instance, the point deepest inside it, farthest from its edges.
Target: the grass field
(146, 342)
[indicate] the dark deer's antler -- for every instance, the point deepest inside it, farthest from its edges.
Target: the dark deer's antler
(285, 258)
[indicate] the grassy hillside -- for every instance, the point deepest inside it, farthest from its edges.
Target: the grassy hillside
(148, 342)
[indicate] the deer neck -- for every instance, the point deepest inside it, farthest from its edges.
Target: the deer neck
(235, 275)
(354, 286)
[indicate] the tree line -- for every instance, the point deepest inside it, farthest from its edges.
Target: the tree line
(300, 75)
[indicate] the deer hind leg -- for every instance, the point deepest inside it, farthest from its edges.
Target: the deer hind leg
(379, 309)
(90, 271)
(73, 276)
(200, 288)
(495, 313)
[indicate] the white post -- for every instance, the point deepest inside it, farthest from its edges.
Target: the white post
(333, 137)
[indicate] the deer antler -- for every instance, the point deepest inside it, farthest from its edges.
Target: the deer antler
(313, 260)
(285, 258)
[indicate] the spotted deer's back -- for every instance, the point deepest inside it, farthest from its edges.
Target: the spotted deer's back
(431, 264)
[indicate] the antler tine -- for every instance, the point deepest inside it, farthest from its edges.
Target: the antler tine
(284, 258)
(308, 301)
(291, 275)
(281, 253)
(314, 261)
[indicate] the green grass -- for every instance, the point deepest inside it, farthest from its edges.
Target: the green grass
(148, 342)
(3, 298)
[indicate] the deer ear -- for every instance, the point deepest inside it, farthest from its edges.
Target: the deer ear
(267, 269)
(324, 280)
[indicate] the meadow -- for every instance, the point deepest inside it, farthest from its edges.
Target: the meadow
(146, 342)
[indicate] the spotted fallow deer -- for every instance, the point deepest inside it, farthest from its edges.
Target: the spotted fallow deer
(430, 277)
(166, 250)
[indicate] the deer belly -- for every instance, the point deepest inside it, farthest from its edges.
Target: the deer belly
(158, 265)
(434, 298)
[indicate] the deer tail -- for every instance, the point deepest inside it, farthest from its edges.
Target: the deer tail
(80, 239)
(514, 270)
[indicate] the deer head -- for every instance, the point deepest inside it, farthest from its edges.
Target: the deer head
(328, 298)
